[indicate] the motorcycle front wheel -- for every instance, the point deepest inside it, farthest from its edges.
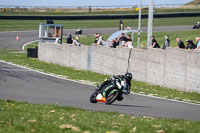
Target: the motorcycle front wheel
(94, 96)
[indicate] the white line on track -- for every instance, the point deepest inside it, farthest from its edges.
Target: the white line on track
(52, 75)
(173, 100)
(28, 43)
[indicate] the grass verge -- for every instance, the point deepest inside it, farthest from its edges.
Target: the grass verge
(92, 77)
(21, 25)
(25, 117)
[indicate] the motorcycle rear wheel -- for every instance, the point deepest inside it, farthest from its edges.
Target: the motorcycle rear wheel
(111, 97)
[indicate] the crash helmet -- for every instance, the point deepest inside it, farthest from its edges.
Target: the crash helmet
(128, 76)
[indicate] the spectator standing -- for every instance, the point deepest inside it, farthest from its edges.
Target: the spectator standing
(115, 43)
(96, 35)
(76, 41)
(166, 42)
(122, 39)
(190, 45)
(180, 43)
(121, 25)
(154, 43)
(129, 42)
(100, 40)
(197, 44)
(69, 39)
(128, 38)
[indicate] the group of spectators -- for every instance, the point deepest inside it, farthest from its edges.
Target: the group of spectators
(122, 40)
(180, 44)
(126, 41)
(189, 44)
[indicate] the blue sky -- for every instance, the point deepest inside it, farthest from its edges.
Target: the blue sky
(85, 2)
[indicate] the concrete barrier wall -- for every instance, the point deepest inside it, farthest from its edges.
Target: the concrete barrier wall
(108, 60)
(193, 71)
(174, 68)
(65, 55)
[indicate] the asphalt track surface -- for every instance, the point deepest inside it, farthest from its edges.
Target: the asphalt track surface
(25, 85)
(22, 84)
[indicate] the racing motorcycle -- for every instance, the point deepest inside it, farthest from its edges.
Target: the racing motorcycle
(197, 25)
(109, 91)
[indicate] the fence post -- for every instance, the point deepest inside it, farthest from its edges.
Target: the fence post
(150, 23)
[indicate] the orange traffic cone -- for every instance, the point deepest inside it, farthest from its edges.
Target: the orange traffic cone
(17, 38)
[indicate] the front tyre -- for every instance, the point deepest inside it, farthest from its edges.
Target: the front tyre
(94, 96)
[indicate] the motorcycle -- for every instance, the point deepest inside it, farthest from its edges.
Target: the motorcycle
(197, 25)
(79, 31)
(109, 91)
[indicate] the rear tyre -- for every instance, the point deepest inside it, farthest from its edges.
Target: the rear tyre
(111, 96)
(94, 96)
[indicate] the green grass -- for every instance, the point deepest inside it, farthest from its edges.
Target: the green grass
(32, 45)
(21, 59)
(17, 117)
(159, 91)
(92, 77)
(20, 25)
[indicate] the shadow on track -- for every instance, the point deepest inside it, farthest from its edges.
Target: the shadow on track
(131, 106)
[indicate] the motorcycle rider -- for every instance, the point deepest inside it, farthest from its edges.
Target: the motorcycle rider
(121, 81)
(197, 25)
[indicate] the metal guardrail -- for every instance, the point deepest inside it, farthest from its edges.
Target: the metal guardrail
(98, 17)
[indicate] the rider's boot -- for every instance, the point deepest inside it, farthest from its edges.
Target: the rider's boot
(120, 98)
(125, 91)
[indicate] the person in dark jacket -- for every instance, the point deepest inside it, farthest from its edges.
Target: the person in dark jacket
(122, 37)
(115, 43)
(69, 39)
(190, 45)
(180, 43)
(121, 81)
(154, 43)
